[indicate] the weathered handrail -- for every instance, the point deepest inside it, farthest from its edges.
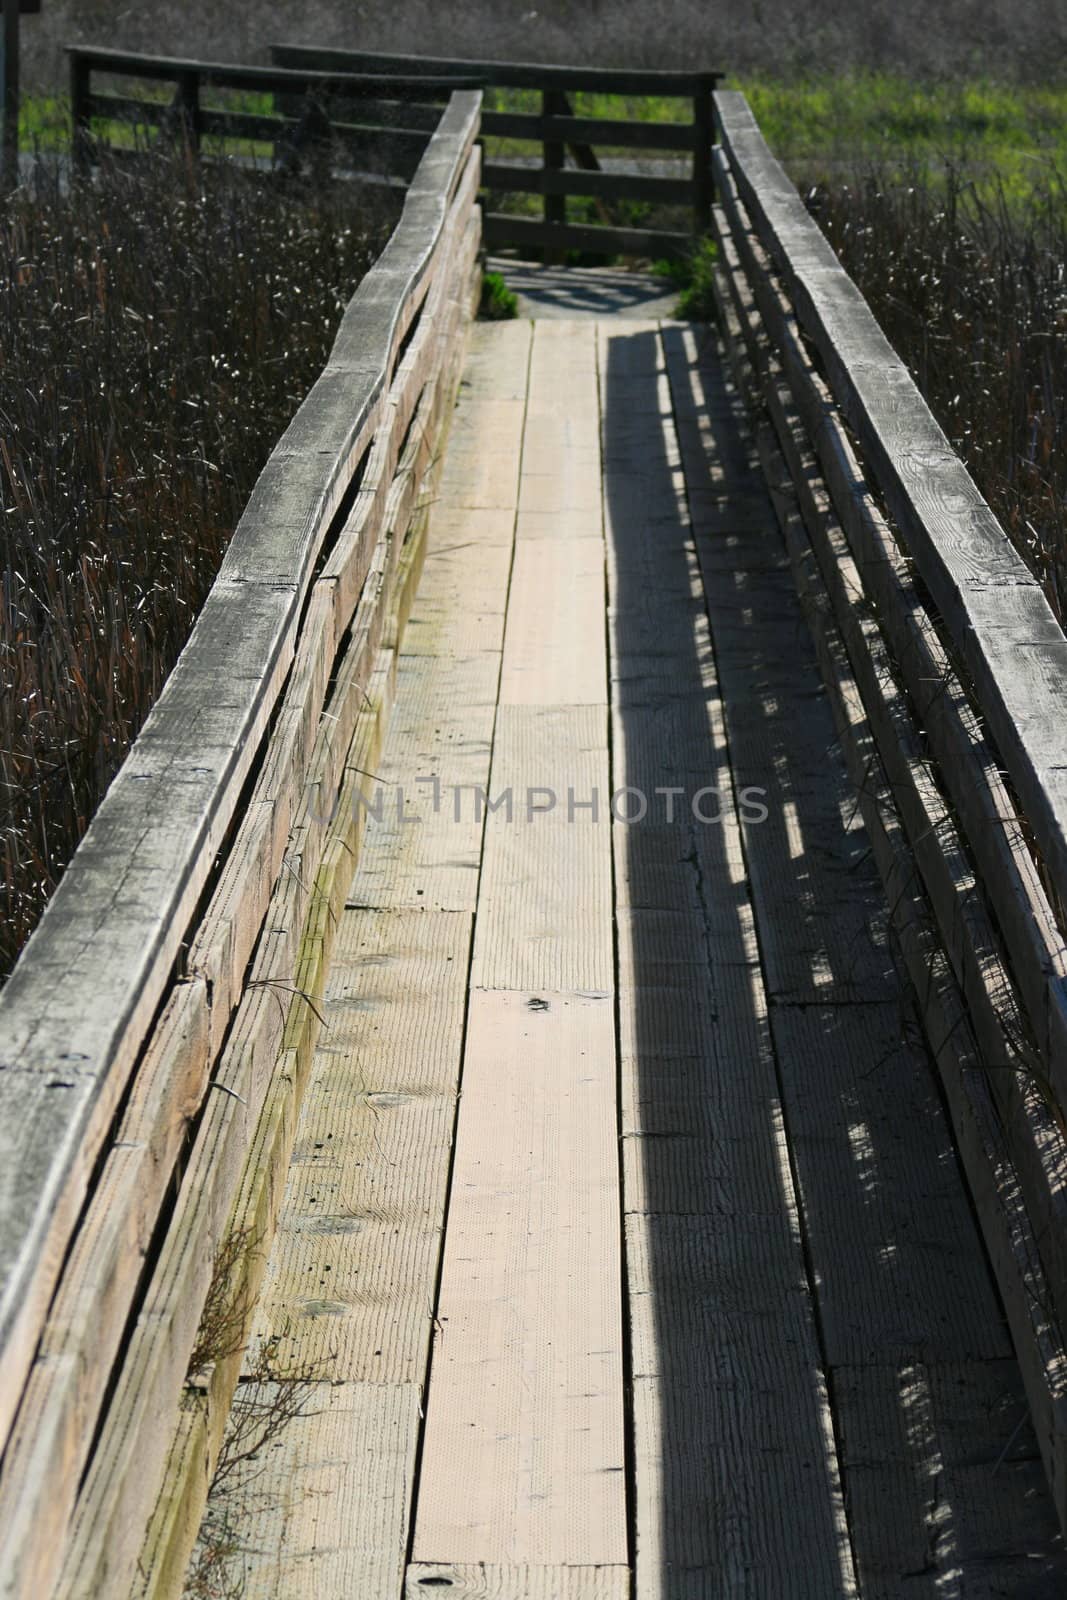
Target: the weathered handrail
(182, 949)
(558, 130)
(947, 670)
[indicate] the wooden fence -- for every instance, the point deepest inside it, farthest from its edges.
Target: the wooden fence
(378, 122)
(156, 1033)
(558, 132)
(948, 674)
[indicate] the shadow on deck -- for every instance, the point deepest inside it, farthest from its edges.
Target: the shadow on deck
(825, 1396)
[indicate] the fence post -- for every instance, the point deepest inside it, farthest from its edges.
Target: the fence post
(553, 104)
(703, 139)
(9, 95)
(188, 100)
(80, 115)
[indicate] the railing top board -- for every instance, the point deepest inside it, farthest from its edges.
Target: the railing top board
(996, 613)
(502, 74)
(76, 1010)
(232, 75)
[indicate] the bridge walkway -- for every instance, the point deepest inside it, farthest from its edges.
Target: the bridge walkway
(624, 1243)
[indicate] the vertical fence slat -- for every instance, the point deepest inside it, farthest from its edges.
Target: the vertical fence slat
(703, 139)
(553, 104)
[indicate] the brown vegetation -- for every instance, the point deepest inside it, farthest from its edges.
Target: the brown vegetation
(158, 327)
(971, 288)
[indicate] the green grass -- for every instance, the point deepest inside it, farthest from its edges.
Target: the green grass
(997, 132)
(498, 302)
(693, 277)
(817, 126)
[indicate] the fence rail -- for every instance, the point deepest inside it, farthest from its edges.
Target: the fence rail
(948, 672)
(183, 951)
(382, 121)
(559, 133)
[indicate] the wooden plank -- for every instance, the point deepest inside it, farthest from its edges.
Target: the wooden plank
(352, 1271)
(277, 79)
(589, 130)
(972, 943)
(917, 1470)
(738, 1487)
(998, 617)
(523, 1455)
(523, 1452)
(261, 1186)
(822, 905)
(504, 74)
(133, 885)
(349, 692)
(491, 482)
(551, 727)
(349, 1287)
(968, 766)
(511, 177)
(519, 1581)
(503, 230)
(545, 907)
(333, 1519)
(174, 1525)
(713, 1228)
(552, 652)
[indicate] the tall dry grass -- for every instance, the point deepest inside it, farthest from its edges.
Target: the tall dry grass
(969, 283)
(158, 327)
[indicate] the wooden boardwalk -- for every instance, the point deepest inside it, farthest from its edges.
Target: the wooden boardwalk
(624, 1237)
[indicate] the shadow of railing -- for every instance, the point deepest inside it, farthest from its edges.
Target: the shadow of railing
(795, 1213)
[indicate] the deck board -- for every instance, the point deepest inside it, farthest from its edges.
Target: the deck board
(691, 1091)
(737, 1480)
(348, 1295)
(527, 1368)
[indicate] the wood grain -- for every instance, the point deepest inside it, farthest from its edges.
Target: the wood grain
(994, 609)
(132, 886)
(348, 1289)
(518, 1581)
(713, 1226)
(332, 1519)
(350, 1280)
(523, 1456)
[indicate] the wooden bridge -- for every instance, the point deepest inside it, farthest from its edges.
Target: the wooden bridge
(570, 978)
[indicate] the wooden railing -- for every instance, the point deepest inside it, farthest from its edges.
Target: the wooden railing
(948, 674)
(558, 132)
(156, 1033)
(376, 121)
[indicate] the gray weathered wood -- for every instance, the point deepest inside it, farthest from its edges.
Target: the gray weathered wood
(992, 1175)
(115, 925)
(279, 79)
(969, 768)
(606, 185)
(713, 1216)
(502, 229)
(999, 619)
(589, 130)
(503, 74)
